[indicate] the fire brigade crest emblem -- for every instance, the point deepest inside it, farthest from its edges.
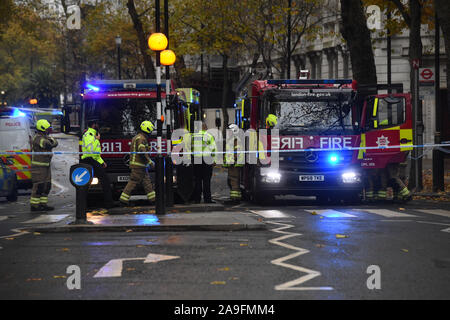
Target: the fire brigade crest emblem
(382, 141)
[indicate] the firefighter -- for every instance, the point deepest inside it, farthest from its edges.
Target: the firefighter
(40, 167)
(234, 162)
(271, 121)
(202, 141)
(139, 164)
(91, 143)
(403, 193)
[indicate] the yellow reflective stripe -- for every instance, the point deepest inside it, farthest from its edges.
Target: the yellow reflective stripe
(361, 145)
(40, 163)
(137, 164)
(41, 142)
(375, 107)
(151, 195)
(408, 135)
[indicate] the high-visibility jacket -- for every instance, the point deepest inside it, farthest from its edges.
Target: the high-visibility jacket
(139, 144)
(89, 143)
(236, 157)
(42, 143)
(203, 144)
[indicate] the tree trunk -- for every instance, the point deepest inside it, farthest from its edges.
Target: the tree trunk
(444, 21)
(148, 63)
(357, 35)
(179, 66)
(225, 92)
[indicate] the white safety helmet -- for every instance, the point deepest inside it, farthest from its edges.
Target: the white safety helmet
(234, 128)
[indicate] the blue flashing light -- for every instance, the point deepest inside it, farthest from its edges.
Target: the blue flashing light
(92, 87)
(308, 81)
(18, 113)
(104, 85)
(333, 159)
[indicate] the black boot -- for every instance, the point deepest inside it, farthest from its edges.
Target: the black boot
(36, 208)
(45, 207)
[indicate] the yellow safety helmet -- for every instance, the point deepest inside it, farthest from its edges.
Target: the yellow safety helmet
(271, 120)
(42, 125)
(384, 122)
(147, 126)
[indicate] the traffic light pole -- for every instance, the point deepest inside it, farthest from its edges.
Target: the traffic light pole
(159, 174)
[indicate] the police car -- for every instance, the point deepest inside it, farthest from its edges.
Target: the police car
(8, 180)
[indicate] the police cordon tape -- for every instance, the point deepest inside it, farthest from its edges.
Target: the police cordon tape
(437, 146)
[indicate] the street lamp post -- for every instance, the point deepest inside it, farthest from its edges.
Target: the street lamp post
(168, 113)
(118, 43)
(158, 43)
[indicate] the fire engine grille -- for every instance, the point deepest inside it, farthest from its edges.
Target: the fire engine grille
(315, 160)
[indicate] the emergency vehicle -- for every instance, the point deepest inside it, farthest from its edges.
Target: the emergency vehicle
(15, 136)
(319, 124)
(120, 106)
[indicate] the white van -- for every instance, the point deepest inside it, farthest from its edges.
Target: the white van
(16, 135)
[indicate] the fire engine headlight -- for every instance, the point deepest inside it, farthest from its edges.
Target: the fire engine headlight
(94, 180)
(351, 177)
(271, 176)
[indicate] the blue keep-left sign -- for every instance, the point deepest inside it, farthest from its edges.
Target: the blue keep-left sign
(81, 176)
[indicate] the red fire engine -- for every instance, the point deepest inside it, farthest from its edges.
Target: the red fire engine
(321, 125)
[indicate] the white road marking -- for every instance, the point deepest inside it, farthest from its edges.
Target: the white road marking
(310, 274)
(388, 213)
(270, 213)
(3, 218)
(439, 224)
(439, 212)
(61, 188)
(47, 218)
(114, 267)
(17, 234)
(332, 213)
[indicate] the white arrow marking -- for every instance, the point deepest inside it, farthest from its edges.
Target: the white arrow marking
(114, 267)
(78, 177)
(446, 230)
(310, 274)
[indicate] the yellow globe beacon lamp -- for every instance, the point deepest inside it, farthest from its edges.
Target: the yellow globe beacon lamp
(157, 41)
(167, 57)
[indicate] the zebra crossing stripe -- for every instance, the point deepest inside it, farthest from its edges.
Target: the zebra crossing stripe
(3, 218)
(270, 213)
(47, 218)
(332, 213)
(439, 212)
(388, 213)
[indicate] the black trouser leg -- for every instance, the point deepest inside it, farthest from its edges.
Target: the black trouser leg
(197, 195)
(207, 174)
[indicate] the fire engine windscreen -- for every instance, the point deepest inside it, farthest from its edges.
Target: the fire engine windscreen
(120, 117)
(312, 116)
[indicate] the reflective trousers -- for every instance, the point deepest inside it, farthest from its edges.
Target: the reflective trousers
(42, 183)
(234, 177)
(138, 176)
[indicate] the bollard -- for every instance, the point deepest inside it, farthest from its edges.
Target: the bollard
(81, 177)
